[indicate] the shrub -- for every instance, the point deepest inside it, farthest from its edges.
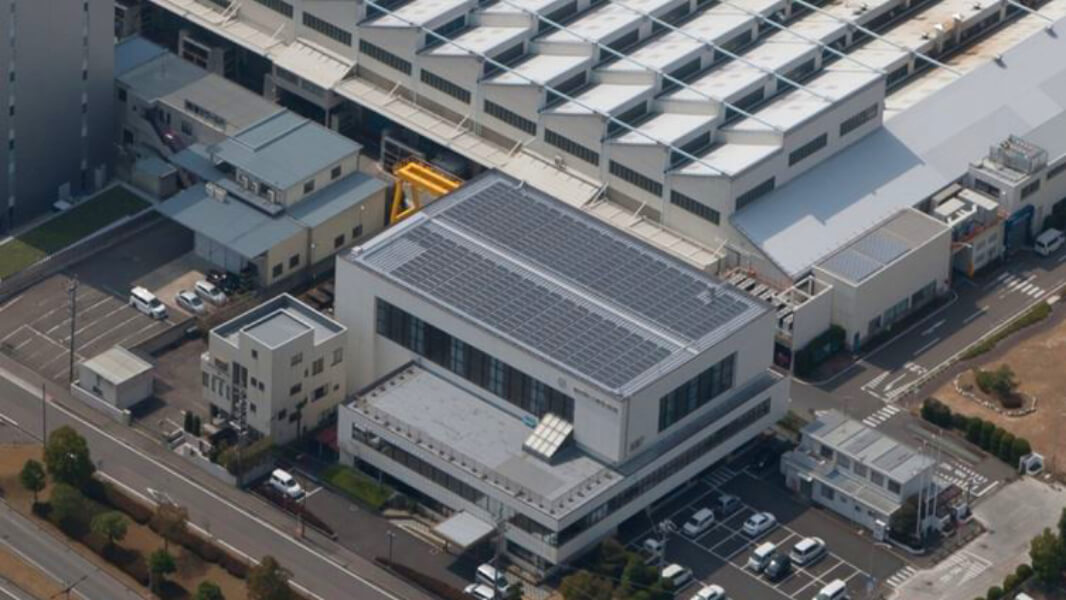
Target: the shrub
(1032, 316)
(239, 463)
(233, 564)
(1024, 571)
(994, 593)
(205, 549)
(1011, 402)
(987, 428)
(973, 431)
(1005, 446)
(995, 440)
(1010, 582)
(1019, 449)
(118, 499)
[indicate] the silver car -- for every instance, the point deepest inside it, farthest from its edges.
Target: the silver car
(190, 302)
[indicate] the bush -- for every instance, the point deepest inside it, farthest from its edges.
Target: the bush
(118, 499)
(1010, 582)
(1020, 448)
(937, 413)
(131, 562)
(1011, 402)
(973, 431)
(1005, 446)
(250, 457)
(233, 564)
(205, 549)
(994, 593)
(1032, 316)
(1024, 572)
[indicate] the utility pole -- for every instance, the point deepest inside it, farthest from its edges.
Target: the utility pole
(72, 290)
(500, 541)
(44, 415)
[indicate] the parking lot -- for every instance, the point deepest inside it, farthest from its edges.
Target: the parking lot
(718, 555)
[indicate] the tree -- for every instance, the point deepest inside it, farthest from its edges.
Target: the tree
(268, 581)
(996, 439)
(612, 559)
(1005, 447)
(994, 593)
(160, 564)
(585, 586)
(208, 590)
(1062, 527)
(973, 431)
(170, 520)
(67, 504)
(1019, 449)
(111, 524)
(67, 457)
(638, 575)
(188, 424)
(32, 477)
(1047, 557)
(986, 434)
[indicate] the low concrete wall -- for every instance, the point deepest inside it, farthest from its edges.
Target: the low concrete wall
(100, 405)
(193, 455)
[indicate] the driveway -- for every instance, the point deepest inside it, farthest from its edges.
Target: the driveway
(1013, 516)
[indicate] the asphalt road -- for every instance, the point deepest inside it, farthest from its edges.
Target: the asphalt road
(250, 531)
(877, 388)
(56, 560)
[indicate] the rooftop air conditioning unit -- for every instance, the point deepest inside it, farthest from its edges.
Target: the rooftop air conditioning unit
(272, 196)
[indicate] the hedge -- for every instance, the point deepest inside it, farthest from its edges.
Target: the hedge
(250, 456)
(1030, 317)
(985, 434)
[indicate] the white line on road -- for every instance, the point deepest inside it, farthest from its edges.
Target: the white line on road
(11, 303)
(203, 490)
(891, 384)
(933, 327)
(876, 381)
(8, 593)
(8, 420)
(975, 315)
(926, 347)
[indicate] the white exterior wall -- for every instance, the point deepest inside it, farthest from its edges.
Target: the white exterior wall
(121, 395)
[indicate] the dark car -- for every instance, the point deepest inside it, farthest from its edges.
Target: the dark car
(779, 568)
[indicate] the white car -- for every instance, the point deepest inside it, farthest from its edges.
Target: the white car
(807, 551)
(480, 591)
(759, 523)
(210, 292)
(653, 548)
(699, 522)
(710, 592)
(190, 302)
(286, 484)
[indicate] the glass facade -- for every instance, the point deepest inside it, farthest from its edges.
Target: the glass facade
(696, 392)
(471, 363)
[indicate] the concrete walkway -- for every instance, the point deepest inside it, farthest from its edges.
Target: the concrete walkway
(1013, 515)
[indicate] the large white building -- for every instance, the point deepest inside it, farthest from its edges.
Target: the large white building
(500, 325)
(278, 368)
(56, 103)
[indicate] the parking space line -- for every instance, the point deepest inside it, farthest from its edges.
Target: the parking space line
(12, 333)
(110, 330)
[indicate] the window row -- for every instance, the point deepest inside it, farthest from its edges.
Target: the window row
(385, 57)
(327, 29)
(472, 364)
(278, 6)
(807, 149)
(510, 117)
(455, 91)
(696, 392)
(428, 471)
(629, 175)
(571, 147)
(755, 193)
(857, 120)
(697, 208)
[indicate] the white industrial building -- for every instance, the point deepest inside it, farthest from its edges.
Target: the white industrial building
(713, 130)
(116, 377)
(856, 471)
(277, 370)
(522, 361)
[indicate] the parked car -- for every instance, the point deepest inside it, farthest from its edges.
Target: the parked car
(480, 591)
(210, 292)
(759, 523)
(147, 303)
(676, 575)
(653, 549)
(779, 568)
(710, 592)
(837, 590)
(807, 550)
(190, 302)
(760, 557)
(727, 505)
(231, 283)
(492, 577)
(286, 484)
(699, 522)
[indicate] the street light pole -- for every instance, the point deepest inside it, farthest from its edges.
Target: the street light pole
(389, 535)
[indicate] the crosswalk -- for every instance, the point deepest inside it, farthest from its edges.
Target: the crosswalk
(883, 414)
(963, 476)
(1019, 284)
(901, 576)
(719, 477)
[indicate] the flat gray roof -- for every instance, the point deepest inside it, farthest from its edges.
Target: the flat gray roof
(555, 281)
(480, 435)
(117, 364)
(285, 149)
(894, 459)
(278, 320)
(873, 252)
(913, 155)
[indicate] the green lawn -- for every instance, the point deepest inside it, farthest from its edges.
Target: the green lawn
(357, 486)
(71, 226)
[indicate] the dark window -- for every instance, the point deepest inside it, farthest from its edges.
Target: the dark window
(645, 183)
(357, 231)
(629, 117)
(1056, 170)
(279, 6)
(745, 104)
(121, 95)
(470, 363)
(511, 118)
(294, 261)
(697, 208)
(335, 172)
(327, 29)
(296, 389)
(506, 58)
(446, 31)
(338, 241)
(983, 186)
(276, 271)
(320, 392)
(857, 120)
(696, 392)
(458, 92)
(1031, 189)
(309, 186)
(385, 57)
(317, 366)
(559, 15)
(755, 193)
(571, 147)
(807, 149)
(283, 413)
(556, 94)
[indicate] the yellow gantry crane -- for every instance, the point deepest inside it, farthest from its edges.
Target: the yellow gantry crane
(415, 177)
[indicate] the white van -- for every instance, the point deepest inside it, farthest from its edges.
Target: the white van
(286, 484)
(760, 557)
(147, 303)
(1048, 242)
(836, 590)
(492, 577)
(677, 576)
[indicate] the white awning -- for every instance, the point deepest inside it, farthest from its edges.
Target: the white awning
(311, 63)
(464, 529)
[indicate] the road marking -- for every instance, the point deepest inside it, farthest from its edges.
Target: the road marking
(41, 567)
(13, 302)
(8, 420)
(313, 492)
(933, 327)
(876, 381)
(926, 347)
(203, 490)
(892, 384)
(975, 315)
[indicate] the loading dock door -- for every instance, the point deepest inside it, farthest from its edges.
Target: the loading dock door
(218, 254)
